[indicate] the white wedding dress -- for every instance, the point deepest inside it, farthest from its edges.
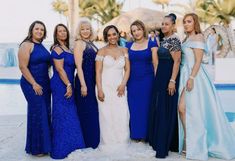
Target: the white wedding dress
(114, 117)
(113, 112)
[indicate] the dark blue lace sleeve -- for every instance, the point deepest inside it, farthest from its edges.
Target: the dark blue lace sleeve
(175, 44)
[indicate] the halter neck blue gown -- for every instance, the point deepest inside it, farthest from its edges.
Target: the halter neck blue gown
(88, 106)
(38, 139)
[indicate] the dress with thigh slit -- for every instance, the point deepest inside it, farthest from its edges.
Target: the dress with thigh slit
(208, 132)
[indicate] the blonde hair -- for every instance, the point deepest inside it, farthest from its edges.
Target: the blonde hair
(78, 30)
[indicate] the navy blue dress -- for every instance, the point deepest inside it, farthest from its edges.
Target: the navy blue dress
(139, 89)
(162, 133)
(66, 130)
(87, 106)
(38, 139)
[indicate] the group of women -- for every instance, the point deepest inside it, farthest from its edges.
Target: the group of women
(160, 95)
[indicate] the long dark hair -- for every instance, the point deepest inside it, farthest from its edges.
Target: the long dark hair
(56, 42)
(30, 32)
(106, 30)
(161, 35)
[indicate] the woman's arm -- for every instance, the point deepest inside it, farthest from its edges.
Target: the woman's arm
(126, 67)
(59, 66)
(154, 58)
(99, 68)
(198, 55)
(122, 86)
(24, 56)
(177, 59)
(78, 56)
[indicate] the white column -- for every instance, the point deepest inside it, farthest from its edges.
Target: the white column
(73, 18)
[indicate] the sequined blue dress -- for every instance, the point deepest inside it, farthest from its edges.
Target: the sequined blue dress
(87, 106)
(66, 130)
(38, 139)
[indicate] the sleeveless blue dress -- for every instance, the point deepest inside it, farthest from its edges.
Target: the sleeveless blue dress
(163, 112)
(139, 89)
(208, 132)
(66, 130)
(38, 139)
(154, 40)
(88, 106)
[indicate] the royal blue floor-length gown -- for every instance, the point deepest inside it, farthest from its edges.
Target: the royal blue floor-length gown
(88, 106)
(66, 131)
(139, 89)
(38, 139)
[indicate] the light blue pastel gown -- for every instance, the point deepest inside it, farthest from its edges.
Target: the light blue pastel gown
(208, 132)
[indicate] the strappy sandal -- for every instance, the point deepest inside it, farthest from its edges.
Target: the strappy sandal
(183, 152)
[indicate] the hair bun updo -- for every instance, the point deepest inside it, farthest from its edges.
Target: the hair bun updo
(174, 17)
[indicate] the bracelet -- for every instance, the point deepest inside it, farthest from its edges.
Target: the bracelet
(191, 77)
(173, 81)
(68, 85)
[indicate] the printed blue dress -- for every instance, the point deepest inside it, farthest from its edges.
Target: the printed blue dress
(88, 106)
(66, 130)
(163, 131)
(38, 139)
(139, 89)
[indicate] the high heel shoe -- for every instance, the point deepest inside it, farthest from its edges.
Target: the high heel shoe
(184, 148)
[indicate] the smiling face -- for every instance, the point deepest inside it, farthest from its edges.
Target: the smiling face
(137, 32)
(189, 25)
(38, 32)
(85, 31)
(167, 26)
(61, 33)
(112, 36)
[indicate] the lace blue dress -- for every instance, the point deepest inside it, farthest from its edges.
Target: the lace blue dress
(139, 89)
(163, 133)
(87, 106)
(38, 139)
(66, 130)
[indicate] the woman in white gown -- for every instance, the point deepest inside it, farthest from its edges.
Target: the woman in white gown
(112, 73)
